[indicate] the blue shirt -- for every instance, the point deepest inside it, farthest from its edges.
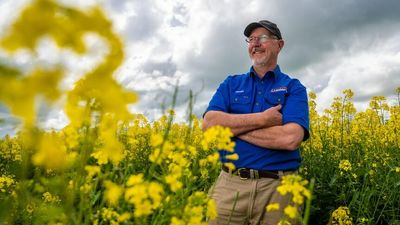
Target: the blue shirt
(247, 93)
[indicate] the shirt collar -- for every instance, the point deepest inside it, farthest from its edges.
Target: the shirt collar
(275, 73)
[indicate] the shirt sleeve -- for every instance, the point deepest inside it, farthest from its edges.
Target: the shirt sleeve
(220, 99)
(296, 107)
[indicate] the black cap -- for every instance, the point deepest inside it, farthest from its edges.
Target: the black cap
(271, 27)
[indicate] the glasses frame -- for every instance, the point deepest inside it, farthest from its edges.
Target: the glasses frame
(262, 38)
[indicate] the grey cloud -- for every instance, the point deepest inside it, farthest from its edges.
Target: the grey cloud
(167, 68)
(145, 22)
(175, 22)
(312, 28)
(8, 123)
(179, 15)
(115, 5)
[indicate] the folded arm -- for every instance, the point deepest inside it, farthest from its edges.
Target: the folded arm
(284, 137)
(242, 123)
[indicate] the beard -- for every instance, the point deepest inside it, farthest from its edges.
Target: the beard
(260, 61)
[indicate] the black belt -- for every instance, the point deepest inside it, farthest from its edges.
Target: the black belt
(245, 173)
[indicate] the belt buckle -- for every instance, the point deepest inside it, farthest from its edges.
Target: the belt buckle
(244, 172)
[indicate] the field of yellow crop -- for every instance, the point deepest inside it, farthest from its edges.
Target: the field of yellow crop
(109, 166)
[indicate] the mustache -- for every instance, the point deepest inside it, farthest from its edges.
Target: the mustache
(257, 49)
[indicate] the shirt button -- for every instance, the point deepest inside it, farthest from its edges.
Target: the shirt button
(259, 92)
(279, 99)
(257, 103)
(236, 99)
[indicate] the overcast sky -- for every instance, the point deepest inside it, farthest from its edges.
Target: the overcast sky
(329, 46)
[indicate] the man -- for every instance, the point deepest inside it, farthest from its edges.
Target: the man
(267, 112)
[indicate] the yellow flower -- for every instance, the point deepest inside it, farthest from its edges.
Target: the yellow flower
(52, 154)
(112, 192)
(211, 209)
(218, 138)
(5, 183)
(124, 217)
(173, 182)
(156, 140)
(284, 222)
(230, 166)
(135, 179)
(49, 198)
(272, 207)
(291, 211)
(30, 208)
(176, 221)
(341, 216)
(92, 170)
(109, 214)
(295, 185)
(233, 156)
(345, 165)
(145, 196)
(213, 158)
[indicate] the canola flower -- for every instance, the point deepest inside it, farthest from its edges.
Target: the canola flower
(195, 212)
(345, 165)
(6, 183)
(145, 196)
(49, 198)
(10, 149)
(218, 138)
(52, 154)
(341, 216)
(105, 145)
(272, 207)
(113, 192)
(295, 185)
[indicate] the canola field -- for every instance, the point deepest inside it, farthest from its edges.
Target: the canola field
(109, 166)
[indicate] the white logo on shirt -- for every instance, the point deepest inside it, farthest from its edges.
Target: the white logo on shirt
(278, 89)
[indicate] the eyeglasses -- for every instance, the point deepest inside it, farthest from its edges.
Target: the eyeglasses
(262, 38)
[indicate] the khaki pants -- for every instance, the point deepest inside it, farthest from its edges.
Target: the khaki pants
(243, 202)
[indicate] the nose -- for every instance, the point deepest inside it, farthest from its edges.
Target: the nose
(255, 43)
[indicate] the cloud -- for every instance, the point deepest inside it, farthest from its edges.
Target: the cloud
(329, 46)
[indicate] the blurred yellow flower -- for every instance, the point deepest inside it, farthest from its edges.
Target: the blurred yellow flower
(291, 211)
(173, 182)
(49, 198)
(176, 221)
(211, 209)
(51, 153)
(145, 196)
(230, 166)
(218, 138)
(272, 207)
(233, 156)
(135, 179)
(92, 170)
(112, 192)
(295, 185)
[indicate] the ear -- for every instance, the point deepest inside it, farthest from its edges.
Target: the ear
(281, 44)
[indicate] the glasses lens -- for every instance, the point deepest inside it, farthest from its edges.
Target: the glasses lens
(262, 38)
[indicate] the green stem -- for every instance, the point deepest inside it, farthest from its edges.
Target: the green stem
(308, 203)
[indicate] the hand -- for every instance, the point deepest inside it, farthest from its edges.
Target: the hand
(272, 116)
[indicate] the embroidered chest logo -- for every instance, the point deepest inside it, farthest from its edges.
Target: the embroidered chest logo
(278, 89)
